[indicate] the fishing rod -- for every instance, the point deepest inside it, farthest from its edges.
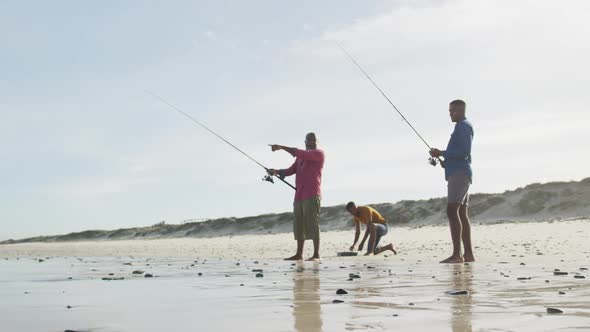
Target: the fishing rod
(267, 177)
(432, 161)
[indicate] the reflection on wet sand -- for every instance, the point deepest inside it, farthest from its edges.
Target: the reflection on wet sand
(512, 284)
(461, 305)
(307, 311)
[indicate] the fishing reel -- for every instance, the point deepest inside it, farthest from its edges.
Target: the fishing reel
(433, 161)
(436, 161)
(268, 178)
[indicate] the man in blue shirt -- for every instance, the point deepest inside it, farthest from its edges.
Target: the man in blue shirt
(458, 173)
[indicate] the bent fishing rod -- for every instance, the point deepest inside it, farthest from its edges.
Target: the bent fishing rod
(432, 161)
(267, 177)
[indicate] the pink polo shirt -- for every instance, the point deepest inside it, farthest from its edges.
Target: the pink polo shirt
(308, 166)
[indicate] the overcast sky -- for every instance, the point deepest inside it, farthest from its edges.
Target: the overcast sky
(82, 146)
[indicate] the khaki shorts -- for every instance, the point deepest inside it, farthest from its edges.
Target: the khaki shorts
(306, 225)
(458, 188)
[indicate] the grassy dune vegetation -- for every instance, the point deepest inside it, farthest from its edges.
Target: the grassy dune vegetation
(535, 202)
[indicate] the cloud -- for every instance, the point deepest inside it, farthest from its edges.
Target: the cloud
(209, 34)
(462, 32)
(518, 64)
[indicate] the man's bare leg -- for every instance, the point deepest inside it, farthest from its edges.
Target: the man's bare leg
(466, 234)
(316, 250)
(299, 255)
(372, 238)
(387, 247)
(456, 229)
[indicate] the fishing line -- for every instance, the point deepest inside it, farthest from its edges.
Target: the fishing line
(432, 161)
(266, 178)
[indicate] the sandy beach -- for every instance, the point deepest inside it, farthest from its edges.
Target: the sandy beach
(160, 158)
(240, 282)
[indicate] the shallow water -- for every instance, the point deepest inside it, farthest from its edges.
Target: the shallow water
(390, 295)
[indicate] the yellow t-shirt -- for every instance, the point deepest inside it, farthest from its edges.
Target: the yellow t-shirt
(365, 214)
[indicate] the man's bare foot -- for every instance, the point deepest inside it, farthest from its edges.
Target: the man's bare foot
(390, 247)
(368, 254)
(313, 258)
(453, 260)
(469, 258)
(294, 258)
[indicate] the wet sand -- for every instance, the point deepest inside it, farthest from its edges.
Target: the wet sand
(212, 284)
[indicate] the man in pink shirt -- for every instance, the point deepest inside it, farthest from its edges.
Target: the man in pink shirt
(308, 166)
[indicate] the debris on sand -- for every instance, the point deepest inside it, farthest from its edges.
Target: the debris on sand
(554, 311)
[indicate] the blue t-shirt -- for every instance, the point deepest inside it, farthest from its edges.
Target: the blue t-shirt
(458, 152)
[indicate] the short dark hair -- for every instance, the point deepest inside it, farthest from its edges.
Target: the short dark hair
(312, 135)
(458, 102)
(350, 205)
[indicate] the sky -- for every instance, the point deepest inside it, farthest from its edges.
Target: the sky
(82, 146)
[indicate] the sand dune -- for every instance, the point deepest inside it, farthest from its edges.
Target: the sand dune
(535, 202)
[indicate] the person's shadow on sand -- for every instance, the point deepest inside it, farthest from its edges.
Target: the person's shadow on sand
(307, 311)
